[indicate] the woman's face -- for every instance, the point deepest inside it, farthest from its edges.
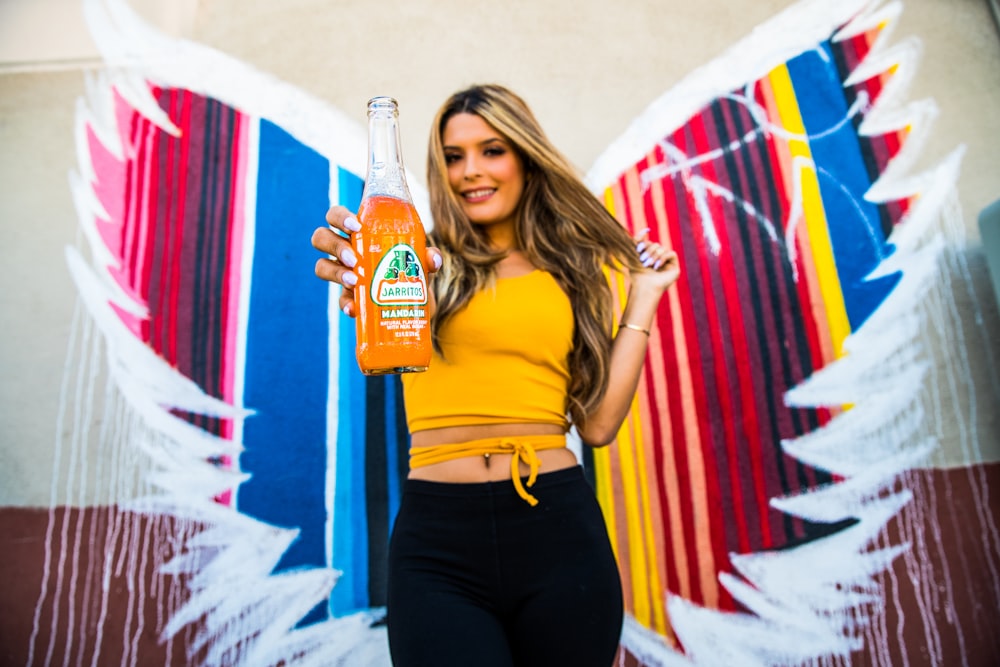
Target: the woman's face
(484, 170)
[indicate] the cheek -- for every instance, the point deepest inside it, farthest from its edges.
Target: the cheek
(454, 177)
(512, 174)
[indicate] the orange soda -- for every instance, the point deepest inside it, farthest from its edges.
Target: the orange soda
(392, 294)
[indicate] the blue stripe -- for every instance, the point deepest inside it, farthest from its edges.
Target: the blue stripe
(854, 224)
(350, 536)
(392, 439)
(286, 377)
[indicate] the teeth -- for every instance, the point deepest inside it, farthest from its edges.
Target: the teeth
(478, 193)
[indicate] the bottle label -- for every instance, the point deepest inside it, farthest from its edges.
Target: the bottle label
(399, 286)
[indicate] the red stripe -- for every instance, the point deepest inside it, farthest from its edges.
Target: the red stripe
(741, 330)
(685, 484)
(180, 218)
(672, 580)
(677, 424)
(716, 326)
(151, 146)
(691, 255)
(778, 185)
(168, 226)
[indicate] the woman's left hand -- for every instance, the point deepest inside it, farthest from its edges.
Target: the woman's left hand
(662, 266)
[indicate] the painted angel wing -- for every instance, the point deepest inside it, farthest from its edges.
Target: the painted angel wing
(781, 401)
(200, 182)
(749, 492)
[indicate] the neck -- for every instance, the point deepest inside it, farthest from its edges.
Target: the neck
(501, 236)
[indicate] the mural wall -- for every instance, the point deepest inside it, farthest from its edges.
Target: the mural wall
(798, 481)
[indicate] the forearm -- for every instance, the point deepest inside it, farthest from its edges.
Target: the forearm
(628, 355)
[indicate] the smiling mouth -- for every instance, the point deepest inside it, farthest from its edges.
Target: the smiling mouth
(474, 196)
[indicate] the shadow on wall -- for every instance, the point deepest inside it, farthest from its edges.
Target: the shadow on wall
(989, 230)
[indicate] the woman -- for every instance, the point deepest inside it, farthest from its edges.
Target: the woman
(499, 554)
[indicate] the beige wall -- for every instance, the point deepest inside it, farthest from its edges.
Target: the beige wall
(587, 67)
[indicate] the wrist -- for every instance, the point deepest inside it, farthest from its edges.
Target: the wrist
(643, 291)
(623, 325)
(640, 308)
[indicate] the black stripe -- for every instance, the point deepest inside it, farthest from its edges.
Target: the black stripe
(204, 219)
(403, 437)
(221, 238)
(376, 491)
(744, 225)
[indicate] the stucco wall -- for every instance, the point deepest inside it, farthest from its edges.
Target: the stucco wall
(587, 67)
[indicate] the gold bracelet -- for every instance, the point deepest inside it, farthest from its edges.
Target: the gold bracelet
(633, 327)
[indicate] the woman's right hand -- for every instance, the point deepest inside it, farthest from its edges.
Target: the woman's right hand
(338, 266)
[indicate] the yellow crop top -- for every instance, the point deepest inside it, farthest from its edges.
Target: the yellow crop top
(505, 359)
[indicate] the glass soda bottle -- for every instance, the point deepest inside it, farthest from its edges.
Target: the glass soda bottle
(393, 324)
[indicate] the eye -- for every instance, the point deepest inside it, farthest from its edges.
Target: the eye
(451, 157)
(494, 151)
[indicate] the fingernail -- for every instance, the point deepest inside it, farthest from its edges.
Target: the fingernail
(350, 279)
(352, 224)
(643, 257)
(642, 244)
(437, 261)
(348, 258)
(347, 310)
(647, 262)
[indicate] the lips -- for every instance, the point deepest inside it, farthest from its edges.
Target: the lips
(478, 195)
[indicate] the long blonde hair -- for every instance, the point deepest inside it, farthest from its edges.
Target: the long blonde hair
(562, 228)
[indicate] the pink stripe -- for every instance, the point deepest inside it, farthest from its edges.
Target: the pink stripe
(235, 261)
(148, 219)
(132, 190)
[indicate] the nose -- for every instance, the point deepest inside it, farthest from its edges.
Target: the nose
(471, 168)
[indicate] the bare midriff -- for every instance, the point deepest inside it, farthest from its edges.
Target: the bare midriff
(473, 469)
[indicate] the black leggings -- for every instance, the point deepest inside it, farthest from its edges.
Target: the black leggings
(477, 577)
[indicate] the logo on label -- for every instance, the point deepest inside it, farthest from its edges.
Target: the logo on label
(399, 279)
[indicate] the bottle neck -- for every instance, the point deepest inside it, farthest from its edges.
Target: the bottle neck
(386, 175)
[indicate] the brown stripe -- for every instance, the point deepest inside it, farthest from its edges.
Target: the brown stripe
(76, 622)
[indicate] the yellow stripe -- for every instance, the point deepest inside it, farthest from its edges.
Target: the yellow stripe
(647, 582)
(655, 586)
(609, 201)
(630, 475)
(812, 208)
(602, 480)
(602, 455)
(637, 565)
(637, 560)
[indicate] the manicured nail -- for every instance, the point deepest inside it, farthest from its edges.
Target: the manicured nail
(348, 258)
(347, 311)
(349, 279)
(647, 262)
(437, 261)
(352, 224)
(643, 257)
(642, 244)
